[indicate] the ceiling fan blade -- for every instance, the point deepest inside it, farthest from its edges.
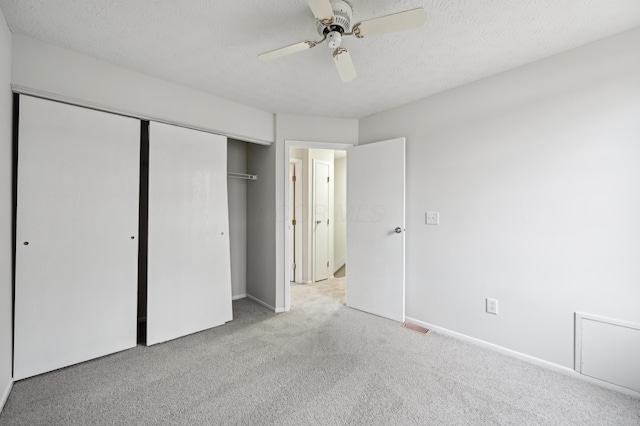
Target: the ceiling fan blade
(391, 23)
(343, 61)
(288, 50)
(322, 10)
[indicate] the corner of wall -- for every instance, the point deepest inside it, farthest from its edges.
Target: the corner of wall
(6, 211)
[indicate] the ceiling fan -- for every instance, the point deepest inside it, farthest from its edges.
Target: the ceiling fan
(334, 21)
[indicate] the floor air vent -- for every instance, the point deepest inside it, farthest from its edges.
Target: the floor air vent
(416, 328)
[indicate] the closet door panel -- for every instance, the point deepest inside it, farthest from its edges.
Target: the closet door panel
(189, 275)
(77, 226)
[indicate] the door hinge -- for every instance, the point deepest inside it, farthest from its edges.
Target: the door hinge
(327, 221)
(295, 266)
(327, 263)
(327, 179)
(294, 222)
(294, 178)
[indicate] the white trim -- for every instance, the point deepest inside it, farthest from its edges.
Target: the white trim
(239, 296)
(580, 315)
(22, 90)
(288, 144)
(577, 342)
(524, 357)
(265, 304)
(5, 395)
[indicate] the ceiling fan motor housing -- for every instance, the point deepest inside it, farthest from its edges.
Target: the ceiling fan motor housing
(342, 22)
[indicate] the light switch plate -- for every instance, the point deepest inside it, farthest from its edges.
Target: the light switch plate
(432, 218)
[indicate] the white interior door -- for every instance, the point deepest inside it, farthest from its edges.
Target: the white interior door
(321, 219)
(189, 264)
(375, 228)
(77, 226)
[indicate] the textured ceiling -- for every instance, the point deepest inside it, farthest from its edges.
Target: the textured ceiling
(213, 45)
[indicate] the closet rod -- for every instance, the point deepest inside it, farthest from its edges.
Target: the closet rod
(242, 176)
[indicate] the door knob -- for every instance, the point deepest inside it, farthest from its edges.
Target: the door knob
(318, 222)
(398, 230)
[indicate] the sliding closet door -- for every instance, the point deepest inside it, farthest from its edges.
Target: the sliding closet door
(189, 271)
(77, 226)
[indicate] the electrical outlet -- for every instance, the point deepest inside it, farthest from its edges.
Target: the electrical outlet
(492, 306)
(432, 218)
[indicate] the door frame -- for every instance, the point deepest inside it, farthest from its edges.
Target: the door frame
(313, 221)
(288, 144)
(297, 162)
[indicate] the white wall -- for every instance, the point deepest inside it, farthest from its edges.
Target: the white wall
(298, 153)
(237, 189)
(300, 128)
(261, 219)
(340, 212)
(54, 72)
(5, 211)
(536, 175)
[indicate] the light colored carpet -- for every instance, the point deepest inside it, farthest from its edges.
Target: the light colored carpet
(322, 363)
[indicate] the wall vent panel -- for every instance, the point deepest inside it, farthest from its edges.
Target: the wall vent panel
(608, 350)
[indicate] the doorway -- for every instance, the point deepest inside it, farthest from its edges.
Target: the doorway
(376, 221)
(322, 221)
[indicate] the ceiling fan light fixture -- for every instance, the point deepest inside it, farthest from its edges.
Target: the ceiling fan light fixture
(334, 39)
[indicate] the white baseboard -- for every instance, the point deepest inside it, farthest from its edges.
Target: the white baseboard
(239, 296)
(339, 264)
(524, 357)
(265, 304)
(5, 395)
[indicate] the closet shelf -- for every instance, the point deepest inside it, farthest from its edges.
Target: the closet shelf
(242, 176)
